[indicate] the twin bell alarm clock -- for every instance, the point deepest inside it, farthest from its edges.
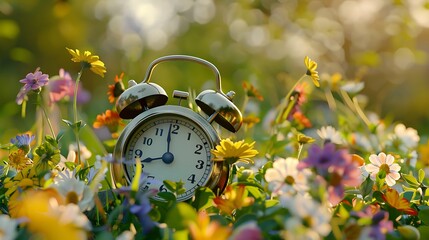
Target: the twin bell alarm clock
(173, 142)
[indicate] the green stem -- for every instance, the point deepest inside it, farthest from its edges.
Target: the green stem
(42, 106)
(284, 110)
(75, 113)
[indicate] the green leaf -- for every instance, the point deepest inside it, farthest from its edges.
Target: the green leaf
(271, 202)
(203, 198)
(168, 196)
(180, 216)
(366, 187)
(77, 125)
(246, 218)
(421, 175)
(411, 180)
(378, 196)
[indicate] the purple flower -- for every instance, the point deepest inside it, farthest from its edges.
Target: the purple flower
(33, 81)
(23, 141)
(63, 86)
(322, 158)
(380, 226)
(336, 168)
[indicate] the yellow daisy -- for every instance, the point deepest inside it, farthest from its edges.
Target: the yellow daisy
(232, 152)
(311, 70)
(19, 160)
(88, 61)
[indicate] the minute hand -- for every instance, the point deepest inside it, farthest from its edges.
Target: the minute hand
(169, 138)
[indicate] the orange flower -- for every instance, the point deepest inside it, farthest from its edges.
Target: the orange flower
(116, 89)
(233, 198)
(204, 229)
(110, 119)
(251, 91)
(401, 204)
(302, 119)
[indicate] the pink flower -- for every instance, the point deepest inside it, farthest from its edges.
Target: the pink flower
(32, 81)
(383, 163)
(63, 87)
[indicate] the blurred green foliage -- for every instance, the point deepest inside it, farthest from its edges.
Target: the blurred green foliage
(383, 43)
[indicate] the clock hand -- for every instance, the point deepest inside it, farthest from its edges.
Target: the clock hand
(169, 138)
(149, 159)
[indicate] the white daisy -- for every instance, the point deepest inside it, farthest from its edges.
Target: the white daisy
(408, 137)
(329, 133)
(309, 220)
(8, 227)
(284, 177)
(383, 162)
(71, 215)
(77, 192)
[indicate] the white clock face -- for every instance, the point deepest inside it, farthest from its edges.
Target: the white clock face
(170, 147)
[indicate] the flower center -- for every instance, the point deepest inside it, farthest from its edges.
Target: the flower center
(72, 197)
(307, 221)
(289, 180)
(384, 167)
(335, 179)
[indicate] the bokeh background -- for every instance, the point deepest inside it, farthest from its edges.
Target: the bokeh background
(383, 43)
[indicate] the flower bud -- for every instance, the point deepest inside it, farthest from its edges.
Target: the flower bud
(409, 232)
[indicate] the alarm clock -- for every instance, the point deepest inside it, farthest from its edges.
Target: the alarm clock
(173, 142)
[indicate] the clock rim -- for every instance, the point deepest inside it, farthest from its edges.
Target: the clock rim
(219, 174)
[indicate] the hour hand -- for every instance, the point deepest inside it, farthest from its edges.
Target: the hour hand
(149, 159)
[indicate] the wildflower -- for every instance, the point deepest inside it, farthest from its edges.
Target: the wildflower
(8, 227)
(251, 91)
(301, 119)
(353, 87)
(233, 198)
(62, 87)
(250, 121)
(321, 158)
(141, 209)
(116, 89)
(23, 141)
(424, 153)
(48, 219)
(232, 152)
(311, 70)
(76, 192)
(32, 81)
(85, 154)
(309, 218)
(344, 175)
(284, 177)
(88, 61)
(408, 137)
(203, 229)
(23, 180)
(330, 134)
(19, 160)
(110, 119)
(385, 164)
(399, 203)
(246, 231)
(379, 227)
